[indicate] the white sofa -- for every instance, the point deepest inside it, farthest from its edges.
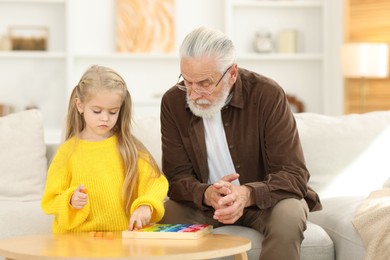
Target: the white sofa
(346, 155)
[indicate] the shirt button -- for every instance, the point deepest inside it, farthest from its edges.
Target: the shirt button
(231, 146)
(238, 166)
(227, 124)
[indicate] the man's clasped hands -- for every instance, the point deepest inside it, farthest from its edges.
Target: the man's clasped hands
(228, 199)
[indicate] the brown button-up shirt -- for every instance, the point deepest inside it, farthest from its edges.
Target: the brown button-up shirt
(262, 137)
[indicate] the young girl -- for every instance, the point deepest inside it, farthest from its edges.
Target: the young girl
(102, 178)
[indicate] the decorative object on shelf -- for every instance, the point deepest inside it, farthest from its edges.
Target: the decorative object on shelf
(287, 41)
(31, 106)
(263, 42)
(365, 60)
(6, 109)
(296, 105)
(28, 38)
(5, 43)
(145, 26)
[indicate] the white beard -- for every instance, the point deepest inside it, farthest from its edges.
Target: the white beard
(212, 109)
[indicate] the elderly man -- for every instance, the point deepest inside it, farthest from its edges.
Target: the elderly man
(231, 149)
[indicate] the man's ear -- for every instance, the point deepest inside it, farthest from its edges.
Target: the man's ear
(233, 74)
(79, 105)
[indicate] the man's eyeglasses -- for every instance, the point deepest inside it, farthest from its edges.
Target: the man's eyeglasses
(204, 90)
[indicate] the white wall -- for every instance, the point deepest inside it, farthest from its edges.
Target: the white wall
(92, 40)
(100, 39)
(93, 29)
(82, 32)
(334, 90)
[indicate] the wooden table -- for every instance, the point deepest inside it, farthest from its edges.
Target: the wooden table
(82, 246)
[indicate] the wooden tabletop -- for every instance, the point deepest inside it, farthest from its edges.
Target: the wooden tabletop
(81, 246)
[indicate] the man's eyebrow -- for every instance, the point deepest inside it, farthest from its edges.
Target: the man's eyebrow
(202, 81)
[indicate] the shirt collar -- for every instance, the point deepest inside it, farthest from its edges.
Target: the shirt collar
(237, 99)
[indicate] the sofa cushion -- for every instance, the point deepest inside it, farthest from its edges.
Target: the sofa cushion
(23, 161)
(316, 244)
(336, 219)
(346, 155)
(147, 130)
(19, 218)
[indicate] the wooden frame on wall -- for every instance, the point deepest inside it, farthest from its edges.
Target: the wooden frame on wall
(145, 26)
(366, 21)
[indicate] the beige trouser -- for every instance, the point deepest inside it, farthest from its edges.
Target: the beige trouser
(282, 226)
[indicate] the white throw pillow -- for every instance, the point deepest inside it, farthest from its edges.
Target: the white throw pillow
(23, 162)
(346, 155)
(387, 183)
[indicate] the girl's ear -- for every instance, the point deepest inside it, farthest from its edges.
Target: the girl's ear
(79, 105)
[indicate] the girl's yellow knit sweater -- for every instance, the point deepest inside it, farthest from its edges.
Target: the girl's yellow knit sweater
(99, 167)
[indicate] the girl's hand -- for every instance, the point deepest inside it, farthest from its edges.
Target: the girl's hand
(140, 218)
(79, 198)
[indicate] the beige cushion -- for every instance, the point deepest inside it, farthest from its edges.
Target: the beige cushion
(23, 161)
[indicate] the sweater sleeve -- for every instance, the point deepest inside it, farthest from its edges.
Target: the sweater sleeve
(58, 192)
(151, 191)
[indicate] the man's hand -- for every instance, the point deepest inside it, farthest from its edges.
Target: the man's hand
(227, 199)
(218, 190)
(231, 206)
(79, 198)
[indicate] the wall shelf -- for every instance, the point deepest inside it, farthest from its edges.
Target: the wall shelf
(126, 56)
(297, 71)
(33, 1)
(281, 57)
(278, 4)
(32, 55)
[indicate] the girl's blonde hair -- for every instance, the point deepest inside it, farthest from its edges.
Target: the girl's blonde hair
(95, 79)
